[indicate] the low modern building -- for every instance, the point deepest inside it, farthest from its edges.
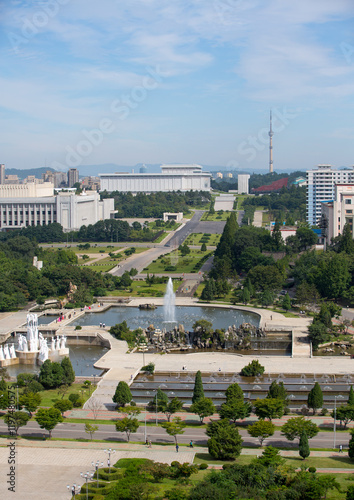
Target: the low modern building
(172, 178)
(23, 205)
(339, 211)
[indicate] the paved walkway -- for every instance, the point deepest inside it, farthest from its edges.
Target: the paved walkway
(224, 202)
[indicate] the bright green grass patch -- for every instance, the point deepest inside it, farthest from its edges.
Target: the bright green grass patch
(141, 289)
(220, 215)
(194, 239)
(175, 263)
(49, 397)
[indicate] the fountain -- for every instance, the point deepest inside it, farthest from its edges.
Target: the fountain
(32, 348)
(169, 307)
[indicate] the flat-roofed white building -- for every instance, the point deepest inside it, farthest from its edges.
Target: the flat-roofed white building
(178, 177)
(36, 204)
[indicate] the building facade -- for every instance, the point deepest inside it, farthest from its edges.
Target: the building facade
(321, 184)
(339, 211)
(36, 204)
(243, 185)
(172, 178)
(2, 173)
(73, 177)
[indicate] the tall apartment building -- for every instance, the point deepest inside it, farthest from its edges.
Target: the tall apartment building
(321, 184)
(243, 183)
(73, 177)
(2, 173)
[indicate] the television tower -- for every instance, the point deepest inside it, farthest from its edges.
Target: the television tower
(270, 133)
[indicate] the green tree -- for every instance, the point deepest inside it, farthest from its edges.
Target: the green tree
(269, 408)
(261, 430)
(270, 457)
(68, 371)
(278, 391)
(129, 423)
(235, 409)
(225, 442)
(203, 407)
(172, 407)
(304, 448)
(16, 420)
(245, 295)
(295, 426)
(4, 400)
(351, 396)
(351, 444)
(198, 391)
(30, 401)
(344, 414)
(234, 392)
(175, 427)
(350, 493)
(3, 385)
(266, 278)
(149, 368)
(203, 248)
(253, 369)
(122, 396)
(91, 429)
(51, 374)
(318, 334)
(315, 398)
(203, 327)
(286, 303)
(63, 405)
(48, 418)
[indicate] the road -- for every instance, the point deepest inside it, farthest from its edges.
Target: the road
(158, 435)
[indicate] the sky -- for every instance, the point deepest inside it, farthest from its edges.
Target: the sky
(156, 81)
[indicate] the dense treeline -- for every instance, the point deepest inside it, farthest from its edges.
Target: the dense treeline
(289, 205)
(155, 204)
(21, 282)
(110, 230)
(249, 249)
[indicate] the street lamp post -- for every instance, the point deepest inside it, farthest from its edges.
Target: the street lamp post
(156, 409)
(86, 476)
(73, 489)
(96, 466)
(109, 451)
(339, 396)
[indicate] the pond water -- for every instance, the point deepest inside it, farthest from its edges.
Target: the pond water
(82, 359)
(185, 315)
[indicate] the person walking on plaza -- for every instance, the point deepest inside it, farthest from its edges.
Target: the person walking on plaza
(177, 448)
(191, 444)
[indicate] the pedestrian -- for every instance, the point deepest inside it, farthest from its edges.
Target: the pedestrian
(177, 448)
(147, 442)
(191, 444)
(271, 317)
(150, 444)
(340, 448)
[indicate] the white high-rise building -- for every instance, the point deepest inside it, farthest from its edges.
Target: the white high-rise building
(243, 183)
(2, 173)
(321, 184)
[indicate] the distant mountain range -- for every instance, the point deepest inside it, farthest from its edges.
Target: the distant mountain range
(108, 168)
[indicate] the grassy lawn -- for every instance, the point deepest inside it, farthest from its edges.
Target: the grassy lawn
(175, 263)
(220, 215)
(51, 396)
(319, 462)
(194, 239)
(141, 289)
(160, 238)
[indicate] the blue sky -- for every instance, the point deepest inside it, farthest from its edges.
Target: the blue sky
(155, 81)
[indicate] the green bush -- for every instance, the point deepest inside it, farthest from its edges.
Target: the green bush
(170, 268)
(78, 327)
(105, 475)
(203, 466)
(312, 469)
(253, 369)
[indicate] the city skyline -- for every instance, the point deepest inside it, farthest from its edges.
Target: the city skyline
(151, 82)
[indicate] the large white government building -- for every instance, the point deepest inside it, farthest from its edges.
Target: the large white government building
(33, 204)
(172, 178)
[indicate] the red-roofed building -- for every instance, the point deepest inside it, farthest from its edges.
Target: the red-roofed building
(274, 186)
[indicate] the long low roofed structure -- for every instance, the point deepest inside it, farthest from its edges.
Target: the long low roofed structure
(178, 177)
